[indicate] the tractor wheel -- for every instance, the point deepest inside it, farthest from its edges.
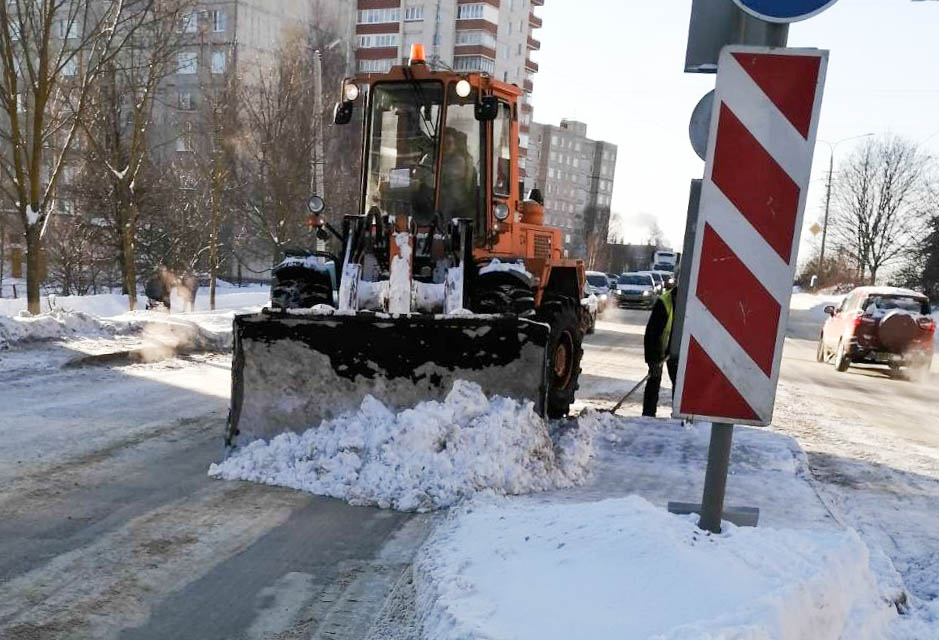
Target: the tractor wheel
(565, 349)
(503, 297)
(301, 289)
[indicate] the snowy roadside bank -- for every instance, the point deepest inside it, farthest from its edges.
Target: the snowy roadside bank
(623, 568)
(105, 316)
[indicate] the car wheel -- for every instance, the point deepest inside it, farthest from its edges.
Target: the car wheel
(841, 358)
(820, 355)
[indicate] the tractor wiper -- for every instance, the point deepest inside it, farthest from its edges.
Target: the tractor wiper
(424, 109)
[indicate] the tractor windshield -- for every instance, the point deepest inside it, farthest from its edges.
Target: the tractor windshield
(402, 148)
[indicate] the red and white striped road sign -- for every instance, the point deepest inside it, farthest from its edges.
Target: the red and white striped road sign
(756, 176)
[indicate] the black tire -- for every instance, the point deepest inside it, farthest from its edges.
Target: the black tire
(842, 361)
(820, 355)
(503, 297)
(565, 350)
(301, 288)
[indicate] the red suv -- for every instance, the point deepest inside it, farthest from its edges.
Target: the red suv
(880, 325)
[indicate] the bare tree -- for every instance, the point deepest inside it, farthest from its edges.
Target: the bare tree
(274, 151)
(117, 122)
(51, 54)
(879, 198)
(597, 231)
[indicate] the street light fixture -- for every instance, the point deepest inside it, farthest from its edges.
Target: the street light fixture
(831, 167)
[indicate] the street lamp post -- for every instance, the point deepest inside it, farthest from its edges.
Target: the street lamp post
(831, 168)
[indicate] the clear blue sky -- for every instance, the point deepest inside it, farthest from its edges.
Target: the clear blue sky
(617, 65)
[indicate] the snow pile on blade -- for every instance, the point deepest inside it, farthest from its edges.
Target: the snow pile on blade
(53, 325)
(623, 568)
(423, 458)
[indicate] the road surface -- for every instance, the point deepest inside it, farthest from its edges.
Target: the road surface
(111, 529)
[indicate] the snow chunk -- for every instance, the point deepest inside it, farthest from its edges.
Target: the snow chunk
(498, 265)
(623, 568)
(315, 310)
(32, 216)
(317, 263)
(423, 458)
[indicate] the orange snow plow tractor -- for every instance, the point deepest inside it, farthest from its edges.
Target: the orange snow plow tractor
(445, 272)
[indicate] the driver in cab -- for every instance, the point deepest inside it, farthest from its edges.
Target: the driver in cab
(458, 178)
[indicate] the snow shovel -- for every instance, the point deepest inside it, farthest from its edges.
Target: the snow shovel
(630, 392)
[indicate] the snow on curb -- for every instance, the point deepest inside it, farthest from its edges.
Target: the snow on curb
(52, 326)
(423, 458)
(622, 568)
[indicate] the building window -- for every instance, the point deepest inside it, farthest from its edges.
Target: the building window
(186, 62)
(188, 23)
(70, 68)
(377, 40)
(184, 102)
(473, 63)
(376, 16)
(219, 58)
(413, 14)
(184, 141)
(376, 66)
(470, 12)
(68, 29)
(483, 38)
(219, 20)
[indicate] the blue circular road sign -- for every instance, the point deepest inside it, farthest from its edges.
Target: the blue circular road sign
(784, 10)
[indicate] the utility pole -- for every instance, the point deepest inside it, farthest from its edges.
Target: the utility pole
(831, 170)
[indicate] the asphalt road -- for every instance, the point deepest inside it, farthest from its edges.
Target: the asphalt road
(110, 528)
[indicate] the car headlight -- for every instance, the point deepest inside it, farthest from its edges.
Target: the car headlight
(603, 296)
(647, 293)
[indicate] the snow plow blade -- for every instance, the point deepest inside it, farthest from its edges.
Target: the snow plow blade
(291, 372)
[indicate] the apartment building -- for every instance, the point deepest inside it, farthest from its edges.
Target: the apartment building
(494, 36)
(574, 174)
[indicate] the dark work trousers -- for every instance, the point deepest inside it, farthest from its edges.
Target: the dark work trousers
(650, 399)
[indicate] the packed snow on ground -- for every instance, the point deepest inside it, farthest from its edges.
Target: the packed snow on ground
(107, 305)
(54, 325)
(423, 458)
(622, 568)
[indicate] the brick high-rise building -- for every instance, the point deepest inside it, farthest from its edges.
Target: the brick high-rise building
(494, 36)
(575, 176)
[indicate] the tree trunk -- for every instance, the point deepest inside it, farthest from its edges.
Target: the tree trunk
(213, 239)
(128, 267)
(33, 267)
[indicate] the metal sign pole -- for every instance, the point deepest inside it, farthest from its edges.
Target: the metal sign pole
(715, 478)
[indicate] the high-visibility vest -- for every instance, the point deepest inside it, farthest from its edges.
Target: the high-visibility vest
(666, 299)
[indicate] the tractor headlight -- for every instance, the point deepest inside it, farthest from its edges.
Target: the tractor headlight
(500, 211)
(463, 88)
(350, 91)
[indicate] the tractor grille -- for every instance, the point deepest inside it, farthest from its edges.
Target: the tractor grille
(542, 245)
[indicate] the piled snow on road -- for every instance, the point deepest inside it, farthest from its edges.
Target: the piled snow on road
(622, 568)
(52, 326)
(423, 458)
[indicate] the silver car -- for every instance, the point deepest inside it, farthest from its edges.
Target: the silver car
(635, 289)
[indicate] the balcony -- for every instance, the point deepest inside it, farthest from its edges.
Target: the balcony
(537, 3)
(534, 20)
(531, 66)
(528, 86)
(533, 44)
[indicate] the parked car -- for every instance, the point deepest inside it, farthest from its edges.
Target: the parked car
(599, 285)
(635, 289)
(880, 325)
(613, 278)
(589, 319)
